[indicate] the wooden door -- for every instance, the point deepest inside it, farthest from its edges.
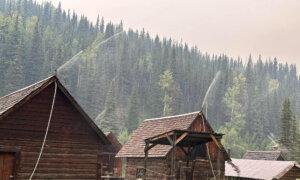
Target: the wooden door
(7, 161)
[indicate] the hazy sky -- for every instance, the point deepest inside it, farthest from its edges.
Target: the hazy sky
(234, 27)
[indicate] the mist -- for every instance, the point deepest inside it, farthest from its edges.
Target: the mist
(237, 28)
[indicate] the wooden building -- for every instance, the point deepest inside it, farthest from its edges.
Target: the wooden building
(189, 163)
(74, 143)
(264, 155)
(247, 169)
(111, 166)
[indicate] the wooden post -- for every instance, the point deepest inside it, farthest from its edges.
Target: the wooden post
(173, 157)
(146, 158)
(192, 171)
(219, 164)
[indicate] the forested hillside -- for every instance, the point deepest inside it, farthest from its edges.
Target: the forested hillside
(133, 76)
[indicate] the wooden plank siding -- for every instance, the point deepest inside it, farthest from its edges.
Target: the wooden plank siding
(292, 174)
(72, 147)
(160, 166)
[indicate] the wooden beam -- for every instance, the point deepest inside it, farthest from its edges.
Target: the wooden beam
(159, 136)
(170, 140)
(184, 151)
(181, 138)
(220, 146)
(150, 147)
(146, 158)
(217, 142)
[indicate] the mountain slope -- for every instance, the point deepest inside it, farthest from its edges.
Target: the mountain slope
(134, 76)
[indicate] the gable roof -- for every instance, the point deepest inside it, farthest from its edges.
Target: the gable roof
(259, 169)
(16, 99)
(10, 100)
(152, 127)
(263, 155)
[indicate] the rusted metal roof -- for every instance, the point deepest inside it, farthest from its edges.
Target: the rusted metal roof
(263, 155)
(258, 169)
(152, 127)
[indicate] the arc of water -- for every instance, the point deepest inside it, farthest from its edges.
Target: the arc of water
(80, 52)
(213, 83)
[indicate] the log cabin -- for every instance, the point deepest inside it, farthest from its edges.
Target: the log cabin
(200, 160)
(73, 145)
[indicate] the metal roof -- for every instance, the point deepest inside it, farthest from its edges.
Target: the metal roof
(263, 155)
(258, 169)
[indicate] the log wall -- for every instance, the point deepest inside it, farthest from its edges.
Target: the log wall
(157, 168)
(293, 174)
(72, 147)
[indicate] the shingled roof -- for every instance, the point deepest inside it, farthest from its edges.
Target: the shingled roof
(9, 101)
(16, 99)
(263, 155)
(152, 127)
(258, 169)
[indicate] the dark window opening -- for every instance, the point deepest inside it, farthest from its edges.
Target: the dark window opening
(199, 151)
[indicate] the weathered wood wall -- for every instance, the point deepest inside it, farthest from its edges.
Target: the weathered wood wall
(157, 168)
(113, 164)
(293, 174)
(162, 165)
(72, 147)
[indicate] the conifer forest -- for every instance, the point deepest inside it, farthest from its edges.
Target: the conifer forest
(133, 76)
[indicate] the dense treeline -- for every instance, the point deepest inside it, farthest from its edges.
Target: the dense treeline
(36, 39)
(132, 76)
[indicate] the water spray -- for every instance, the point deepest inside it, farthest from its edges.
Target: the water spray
(213, 83)
(80, 52)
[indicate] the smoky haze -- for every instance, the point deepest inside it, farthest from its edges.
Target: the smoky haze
(234, 27)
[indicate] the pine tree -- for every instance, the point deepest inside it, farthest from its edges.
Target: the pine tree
(35, 60)
(108, 119)
(295, 139)
(2, 5)
(97, 26)
(133, 113)
(14, 73)
(101, 27)
(286, 119)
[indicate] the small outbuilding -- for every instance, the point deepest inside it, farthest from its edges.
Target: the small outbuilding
(73, 145)
(264, 155)
(111, 166)
(246, 169)
(175, 147)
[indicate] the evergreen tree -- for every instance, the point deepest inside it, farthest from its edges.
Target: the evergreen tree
(133, 113)
(35, 60)
(170, 77)
(101, 26)
(289, 132)
(108, 118)
(286, 119)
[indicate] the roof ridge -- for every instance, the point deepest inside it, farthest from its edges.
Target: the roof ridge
(294, 162)
(173, 116)
(26, 87)
(264, 151)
